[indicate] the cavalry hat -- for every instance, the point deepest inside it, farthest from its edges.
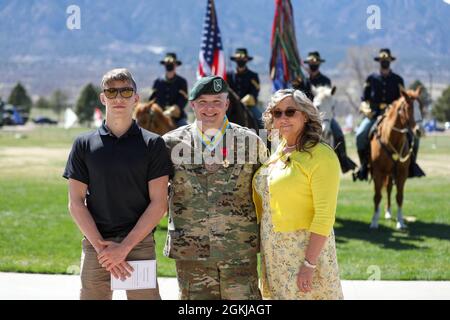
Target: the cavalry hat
(384, 54)
(314, 58)
(170, 58)
(208, 85)
(241, 54)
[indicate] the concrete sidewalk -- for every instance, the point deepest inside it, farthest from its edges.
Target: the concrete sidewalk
(63, 287)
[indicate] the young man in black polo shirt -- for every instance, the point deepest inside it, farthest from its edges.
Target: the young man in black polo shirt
(118, 178)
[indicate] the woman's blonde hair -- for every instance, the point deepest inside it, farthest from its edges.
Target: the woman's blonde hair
(312, 132)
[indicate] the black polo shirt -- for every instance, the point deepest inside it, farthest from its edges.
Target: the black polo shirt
(117, 171)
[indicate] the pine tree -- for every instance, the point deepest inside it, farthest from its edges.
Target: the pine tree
(42, 103)
(86, 103)
(58, 102)
(19, 97)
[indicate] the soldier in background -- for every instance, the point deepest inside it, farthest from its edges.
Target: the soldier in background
(380, 90)
(245, 82)
(170, 91)
(318, 79)
(213, 233)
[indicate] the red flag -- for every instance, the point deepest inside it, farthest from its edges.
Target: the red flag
(211, 58)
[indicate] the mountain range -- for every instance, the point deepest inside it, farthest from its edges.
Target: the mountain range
(38, 49)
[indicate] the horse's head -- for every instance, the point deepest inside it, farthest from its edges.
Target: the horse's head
(418, 106)
(150, 116)
(408, 108)
(324, 100)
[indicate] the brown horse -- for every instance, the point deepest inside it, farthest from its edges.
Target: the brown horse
(150, 116)
(391, 153)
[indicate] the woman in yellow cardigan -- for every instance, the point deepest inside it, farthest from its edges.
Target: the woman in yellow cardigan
(295, 194)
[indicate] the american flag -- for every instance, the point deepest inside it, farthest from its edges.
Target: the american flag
(211, 58)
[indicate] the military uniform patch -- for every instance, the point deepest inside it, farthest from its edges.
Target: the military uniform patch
(217, 85)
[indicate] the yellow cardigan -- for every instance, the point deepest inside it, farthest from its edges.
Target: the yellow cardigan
(303, 194)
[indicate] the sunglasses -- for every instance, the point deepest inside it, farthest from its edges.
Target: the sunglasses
(290, 112)
(111, 93)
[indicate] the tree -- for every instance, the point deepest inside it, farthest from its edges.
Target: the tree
(58, 102)
(42, 103)
(425, 97)
(441, 109)
(86, 103)
(19, 97)
(357, 65)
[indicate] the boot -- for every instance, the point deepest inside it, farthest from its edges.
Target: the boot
(414, 170)
(346, 163)
(363, 172)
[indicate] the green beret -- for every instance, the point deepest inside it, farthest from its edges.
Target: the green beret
(208, 85)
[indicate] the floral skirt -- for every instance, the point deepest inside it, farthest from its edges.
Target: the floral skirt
(282, 254)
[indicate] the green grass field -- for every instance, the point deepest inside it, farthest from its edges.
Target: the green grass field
(37, 234)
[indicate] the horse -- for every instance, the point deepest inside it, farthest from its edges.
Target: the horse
(151, 117)
(239, 114)
(391, 152)
(325, 102)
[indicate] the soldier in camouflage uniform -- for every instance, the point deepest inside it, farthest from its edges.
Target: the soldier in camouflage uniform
(213, 231)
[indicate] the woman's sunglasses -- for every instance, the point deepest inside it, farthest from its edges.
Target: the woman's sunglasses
(111, 93)
(290, 112)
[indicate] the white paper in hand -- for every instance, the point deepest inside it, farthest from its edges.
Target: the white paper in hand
(143, 277)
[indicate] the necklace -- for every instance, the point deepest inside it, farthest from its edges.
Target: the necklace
(211, 143)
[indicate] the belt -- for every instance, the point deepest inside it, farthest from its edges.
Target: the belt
(380, 106)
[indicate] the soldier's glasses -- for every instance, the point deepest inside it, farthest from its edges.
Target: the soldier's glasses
(290, 112)
(111, 93)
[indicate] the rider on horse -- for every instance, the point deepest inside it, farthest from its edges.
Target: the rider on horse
(317, 79)
(380, 90)
(245, 82)
(170, 91)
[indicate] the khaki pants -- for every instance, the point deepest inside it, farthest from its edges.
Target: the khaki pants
(217, 280)
(96, 281)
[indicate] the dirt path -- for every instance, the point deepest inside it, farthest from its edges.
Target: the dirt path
(32, 161)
